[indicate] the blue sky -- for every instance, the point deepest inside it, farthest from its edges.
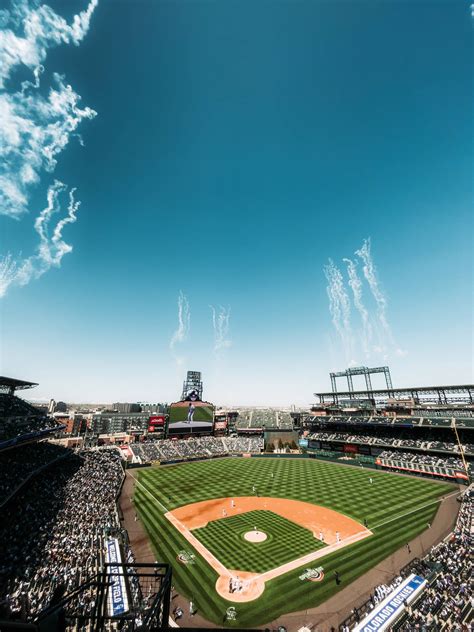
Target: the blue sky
(237, 147)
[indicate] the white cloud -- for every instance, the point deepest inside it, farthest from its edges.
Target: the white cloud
(184, 322)
(340, 308)
(34, 131)
(8, 268)
(221, 327)
(374, 325)
(36, 126)
(33, 29)
(370, 274)
(51, 248)
(356, 286)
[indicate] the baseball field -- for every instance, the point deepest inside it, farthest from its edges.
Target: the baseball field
(265, 536)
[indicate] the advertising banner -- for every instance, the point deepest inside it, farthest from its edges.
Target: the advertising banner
(349, 447)
(157, 420)
(391, 608)
(117, 600)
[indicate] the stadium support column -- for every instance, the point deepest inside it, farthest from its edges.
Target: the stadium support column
(461, 449)
(388, 379)
(349, 382)
(368, 381)
(335, 398)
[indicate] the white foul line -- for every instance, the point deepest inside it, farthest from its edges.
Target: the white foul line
(148, 492)
(433, 502)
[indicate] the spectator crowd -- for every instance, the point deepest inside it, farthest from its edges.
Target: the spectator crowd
(422, 444)
(264, 418)
(19, 418)
(424, 459)
(18, 464)
(202, 447)
(52, 537)
(447, 602)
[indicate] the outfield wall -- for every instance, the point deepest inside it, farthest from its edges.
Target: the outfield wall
(279, 455)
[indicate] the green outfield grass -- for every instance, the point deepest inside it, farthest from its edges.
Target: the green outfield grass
(397, 509)
(285, 541)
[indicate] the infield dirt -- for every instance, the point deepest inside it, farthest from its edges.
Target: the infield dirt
(317, 519)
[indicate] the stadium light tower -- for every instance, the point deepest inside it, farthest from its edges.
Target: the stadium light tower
(192, 386)
(361, 370)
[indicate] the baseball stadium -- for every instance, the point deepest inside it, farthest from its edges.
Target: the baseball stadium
(355, 514)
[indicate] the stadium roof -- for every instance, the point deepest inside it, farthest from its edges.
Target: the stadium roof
(11, 384)
(442, 394)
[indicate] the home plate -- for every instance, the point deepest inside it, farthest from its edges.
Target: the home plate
(255, 536)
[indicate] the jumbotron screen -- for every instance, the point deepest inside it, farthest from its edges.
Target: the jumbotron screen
(191, 412)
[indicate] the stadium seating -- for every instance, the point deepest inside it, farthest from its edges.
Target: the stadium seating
(442, 446)
(53, 533)
(466, 420)
(446, 603)
(19, 420)
(264, 417)
(18, 464)
(202, 447)
(284, 420)
(425, 459)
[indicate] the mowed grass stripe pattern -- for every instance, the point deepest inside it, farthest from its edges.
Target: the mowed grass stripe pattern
(285, 541)
(345, 489)
(313, 481)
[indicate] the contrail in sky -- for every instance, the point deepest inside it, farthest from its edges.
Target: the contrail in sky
(373, 325)
(340, 307)
(184, 324)
(370, 275)
(8, 268)
(51, 248)
(220, 323)
(356, 286)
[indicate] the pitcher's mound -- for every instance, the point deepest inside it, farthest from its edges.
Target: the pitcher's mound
(255, 536)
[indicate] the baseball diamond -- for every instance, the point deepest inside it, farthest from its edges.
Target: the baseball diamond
(189, 507)
(286, 540)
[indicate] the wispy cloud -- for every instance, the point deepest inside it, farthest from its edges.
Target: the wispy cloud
(340, 308)
(34, 131)
(37, 125)
(221, 327)
(35, 128)
(184, 325)
(370, 275)
(51, 248)
(8, 268)
(30, 29)
(374, 325)
(356, 287)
